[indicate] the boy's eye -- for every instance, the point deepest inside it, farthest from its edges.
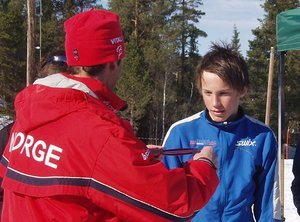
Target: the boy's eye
(225, 93)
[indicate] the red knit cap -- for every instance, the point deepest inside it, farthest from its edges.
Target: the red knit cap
(93, 37)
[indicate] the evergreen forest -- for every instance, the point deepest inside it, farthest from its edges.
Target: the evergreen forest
(158, 77)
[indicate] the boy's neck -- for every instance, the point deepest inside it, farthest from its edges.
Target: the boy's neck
(232, 118)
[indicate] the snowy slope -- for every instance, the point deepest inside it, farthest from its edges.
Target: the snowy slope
(4, 120)
(290, 212)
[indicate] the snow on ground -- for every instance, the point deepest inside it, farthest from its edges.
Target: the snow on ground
(290, 212)
(4, 120)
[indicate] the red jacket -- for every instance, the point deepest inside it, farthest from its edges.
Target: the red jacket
(71, 158)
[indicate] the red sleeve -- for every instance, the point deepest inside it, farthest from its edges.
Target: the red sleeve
(134, 187)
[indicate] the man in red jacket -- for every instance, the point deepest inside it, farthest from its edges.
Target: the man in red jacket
(70, 157)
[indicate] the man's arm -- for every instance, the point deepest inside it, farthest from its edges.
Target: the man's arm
(144, 190)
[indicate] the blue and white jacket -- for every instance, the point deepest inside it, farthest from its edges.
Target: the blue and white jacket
(247, 166)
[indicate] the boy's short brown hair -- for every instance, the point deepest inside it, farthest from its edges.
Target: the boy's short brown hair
(229, 65)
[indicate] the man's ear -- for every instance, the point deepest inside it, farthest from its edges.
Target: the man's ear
(112, 65)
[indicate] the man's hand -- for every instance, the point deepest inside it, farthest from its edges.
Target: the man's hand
(208, 153)
(156, 151)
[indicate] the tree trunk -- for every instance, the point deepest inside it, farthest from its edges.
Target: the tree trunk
(30, 41)
(136, 18)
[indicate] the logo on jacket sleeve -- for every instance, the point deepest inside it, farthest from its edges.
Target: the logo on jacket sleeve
(146, 154)
(202, 142)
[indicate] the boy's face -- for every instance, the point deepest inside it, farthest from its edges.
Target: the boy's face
(220, 99)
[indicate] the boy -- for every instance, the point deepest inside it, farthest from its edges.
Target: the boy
(246, 148)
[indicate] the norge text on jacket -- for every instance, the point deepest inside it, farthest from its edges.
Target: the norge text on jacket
(37, 149)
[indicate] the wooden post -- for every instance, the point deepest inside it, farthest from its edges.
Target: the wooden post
(30, 65)
(287, 143)
(269, 90)
(281, 123)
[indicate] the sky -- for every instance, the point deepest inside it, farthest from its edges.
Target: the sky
(220, 18)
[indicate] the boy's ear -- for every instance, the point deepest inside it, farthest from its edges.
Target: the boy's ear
(244, 92)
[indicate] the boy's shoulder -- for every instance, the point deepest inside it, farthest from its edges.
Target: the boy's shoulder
(258, 125)
(188, 123)
(255, 121)
(188, 120)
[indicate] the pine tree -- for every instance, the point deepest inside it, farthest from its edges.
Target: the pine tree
(54, 13)
(186, 14)
(258, 62)
(134, 84)
(168, 51)
(235, 41)
(13, 38)
(12, 51)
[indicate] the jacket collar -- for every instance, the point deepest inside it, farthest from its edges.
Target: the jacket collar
(239, 115)
(93, 87)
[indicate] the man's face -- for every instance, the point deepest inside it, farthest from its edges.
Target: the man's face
(117, 73)
(220, 99)
(112, 75)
